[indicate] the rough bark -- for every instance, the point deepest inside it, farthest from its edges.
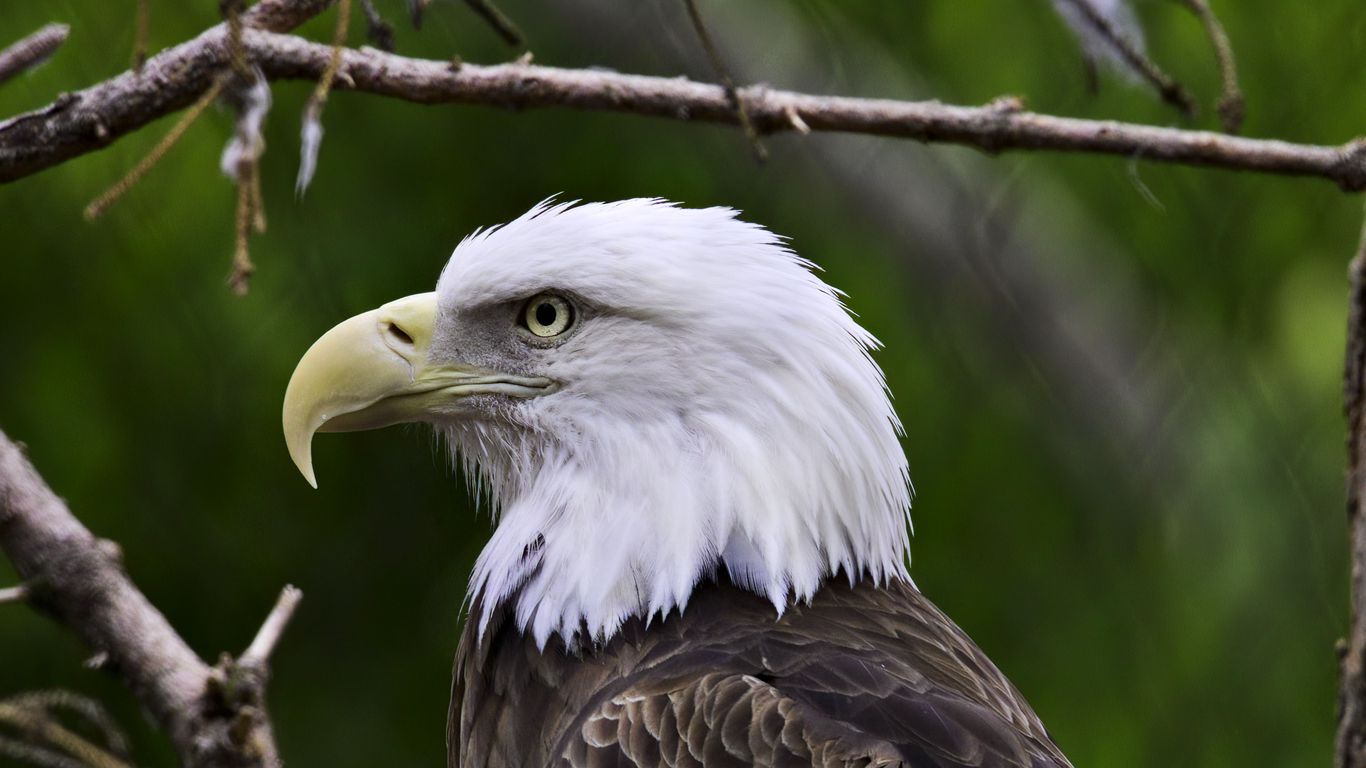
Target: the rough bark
(214, 716)
(93, 118)
(88, 120)
(78, 580)
(1351, 737)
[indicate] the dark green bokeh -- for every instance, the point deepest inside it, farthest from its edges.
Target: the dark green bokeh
(1165, 587)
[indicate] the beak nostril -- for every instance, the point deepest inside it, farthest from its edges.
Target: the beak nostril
(399, 334)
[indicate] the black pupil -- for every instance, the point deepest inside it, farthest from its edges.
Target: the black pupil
(546, 314)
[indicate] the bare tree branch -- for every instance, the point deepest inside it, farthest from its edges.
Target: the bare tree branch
(215, 717)
(996, 127)
(72, 576)
(93, 118)
(32, 50)
(1351, 736)
(269, 635)
(82, 122)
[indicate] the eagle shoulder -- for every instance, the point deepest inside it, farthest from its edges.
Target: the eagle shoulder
(863, 675)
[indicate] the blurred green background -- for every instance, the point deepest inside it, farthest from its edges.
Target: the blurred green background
(1120, 380)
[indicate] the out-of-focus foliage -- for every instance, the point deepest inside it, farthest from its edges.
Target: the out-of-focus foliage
(1162, 571)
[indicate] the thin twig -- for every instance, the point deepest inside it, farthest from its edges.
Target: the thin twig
(377, 30)
(17, 594)
(500, 22)
(32, 50)
(231, 11)
(242, 267)
(179, 76)
(26, 753)
(727, 82)
(46, 732)
(416, 9)
(1231, 106)
(258, 204)
(335, 58)
(312, 127)
(1167, 87)
(241, 161)
(87, 709)
(100, 204)
(263, 645)
(142, 29)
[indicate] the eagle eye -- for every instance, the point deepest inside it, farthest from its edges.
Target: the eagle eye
(547, 315)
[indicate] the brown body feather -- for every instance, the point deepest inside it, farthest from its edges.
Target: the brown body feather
(863, 676)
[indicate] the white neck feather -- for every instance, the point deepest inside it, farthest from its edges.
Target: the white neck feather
(731, 418)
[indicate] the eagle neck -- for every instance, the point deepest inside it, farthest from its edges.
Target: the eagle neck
(627, 521)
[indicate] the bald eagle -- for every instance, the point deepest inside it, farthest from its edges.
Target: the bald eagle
(702, 505)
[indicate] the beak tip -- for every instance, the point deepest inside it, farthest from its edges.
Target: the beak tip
(305, 465)
(300, 452)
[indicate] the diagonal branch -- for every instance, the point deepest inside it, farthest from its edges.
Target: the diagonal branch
(94, 118)
(78, 580)
(268, 636)
(1167, 87)
(719, 67)
(499, 21)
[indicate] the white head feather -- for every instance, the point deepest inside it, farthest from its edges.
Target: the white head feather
(718, 409)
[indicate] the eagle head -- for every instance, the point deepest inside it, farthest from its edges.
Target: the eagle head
(648, 394)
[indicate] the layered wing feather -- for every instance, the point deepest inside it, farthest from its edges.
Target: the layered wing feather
(863, 676)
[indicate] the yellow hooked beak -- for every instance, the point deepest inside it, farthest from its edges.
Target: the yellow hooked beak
(372, 371)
